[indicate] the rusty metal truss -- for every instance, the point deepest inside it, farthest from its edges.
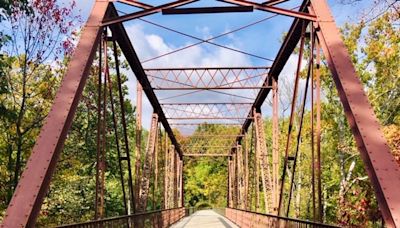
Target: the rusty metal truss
(208, 78)
(232, 128)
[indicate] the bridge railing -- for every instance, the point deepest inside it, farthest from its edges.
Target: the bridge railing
(253, 219)
(159, 218)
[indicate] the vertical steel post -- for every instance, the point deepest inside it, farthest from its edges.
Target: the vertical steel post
(257, 170)
(138, 146)
(171, 178)
(234, 180)
(148, 164)
(230, 183)
(246, 175)
(298, 139)
(166, 173)
(312, 36)
(291, 119)
(318, 130)
(132, 199)
(180, 183)
(98, 133)
(261, 149)
(157, 150)
(102, 160)
(275, 145)
(117, 140)
(174, 180)
(240, 174)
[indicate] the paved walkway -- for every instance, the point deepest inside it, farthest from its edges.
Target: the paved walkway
(204, 219)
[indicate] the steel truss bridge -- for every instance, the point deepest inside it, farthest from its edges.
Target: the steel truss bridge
(235, 121)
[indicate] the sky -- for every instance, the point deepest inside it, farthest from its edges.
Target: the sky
(262, 39)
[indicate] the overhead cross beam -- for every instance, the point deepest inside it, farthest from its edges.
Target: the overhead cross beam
(273, 9)
(242, 6)
(199, 10)
(146, 12)
(206, 155)
(136, 4)
(213, 88)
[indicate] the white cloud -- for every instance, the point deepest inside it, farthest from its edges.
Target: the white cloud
(151, 45)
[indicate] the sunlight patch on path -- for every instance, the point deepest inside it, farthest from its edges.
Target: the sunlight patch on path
(204, 219)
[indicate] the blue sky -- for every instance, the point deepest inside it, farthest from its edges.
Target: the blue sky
(262, 39)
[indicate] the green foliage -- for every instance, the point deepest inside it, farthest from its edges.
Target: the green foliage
(205, 178)
(205, 182)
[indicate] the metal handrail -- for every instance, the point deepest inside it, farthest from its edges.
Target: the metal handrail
(157, 218)
(240, 217)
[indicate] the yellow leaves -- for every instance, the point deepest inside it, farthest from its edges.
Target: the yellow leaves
(392, 135)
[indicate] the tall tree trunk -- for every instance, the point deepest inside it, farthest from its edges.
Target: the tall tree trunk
(18, 124)
(17, 169)
(10, 167)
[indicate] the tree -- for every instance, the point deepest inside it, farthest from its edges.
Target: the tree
(41, 33)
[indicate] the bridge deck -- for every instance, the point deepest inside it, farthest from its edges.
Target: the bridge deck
(205, 218)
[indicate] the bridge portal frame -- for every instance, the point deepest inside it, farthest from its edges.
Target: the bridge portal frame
(382, 170)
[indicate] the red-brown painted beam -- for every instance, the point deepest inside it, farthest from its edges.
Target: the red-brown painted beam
(136, 4)
(209, 118)
(213, 88)
(129, 52)
(207, 103)
(209, 68)
(272, 9)
(205, 124)
(380, 165)
(146, 12)
(199, 10)
(206, 155)
(273, 2)
(35, 180)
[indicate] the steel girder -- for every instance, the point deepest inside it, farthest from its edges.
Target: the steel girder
(148, 165)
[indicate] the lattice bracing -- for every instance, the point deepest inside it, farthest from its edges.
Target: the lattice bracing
(207, 78)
